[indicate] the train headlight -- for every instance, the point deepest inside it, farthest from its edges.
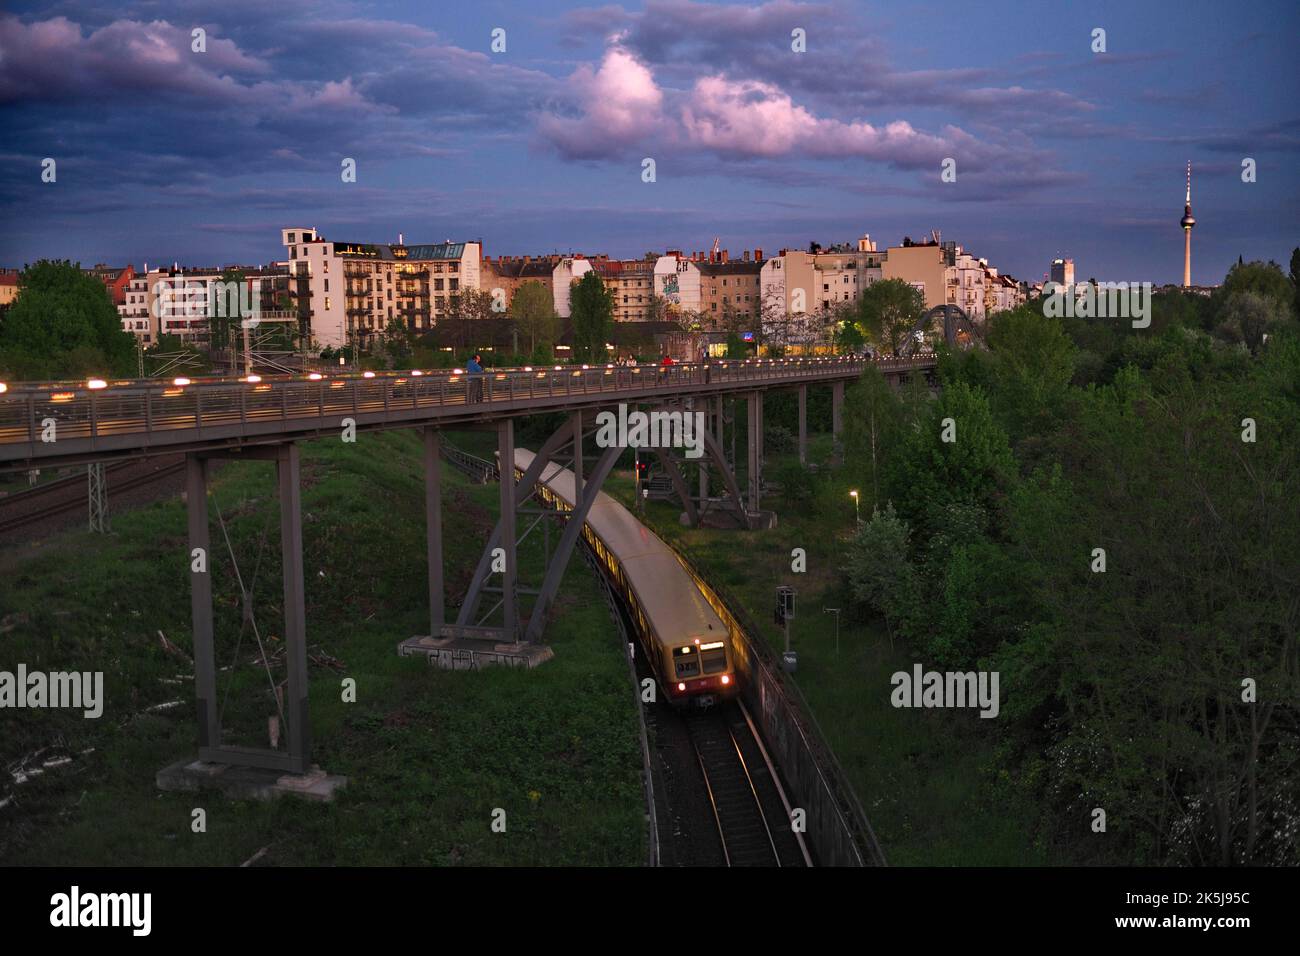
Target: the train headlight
(681, 686)
(726, 678)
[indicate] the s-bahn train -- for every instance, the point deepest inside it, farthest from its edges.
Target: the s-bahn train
(687, 644)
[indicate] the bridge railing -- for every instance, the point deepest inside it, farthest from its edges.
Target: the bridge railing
(146, 407)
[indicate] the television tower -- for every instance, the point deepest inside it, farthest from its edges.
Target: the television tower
(1188, 222)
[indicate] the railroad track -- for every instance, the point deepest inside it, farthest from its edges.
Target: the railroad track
(70, 503)
(750, 808)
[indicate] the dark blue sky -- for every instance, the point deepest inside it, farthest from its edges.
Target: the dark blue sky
(164, 154)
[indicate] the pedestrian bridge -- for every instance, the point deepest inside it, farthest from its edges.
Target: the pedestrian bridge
(51, 424)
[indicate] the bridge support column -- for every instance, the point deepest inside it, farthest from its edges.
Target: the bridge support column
(578, 483)
(433, 525)
(669, 465)
(803, 424)
(837, 409)
(506, 461)
(755, 449)
(205, 670)
(295, 609)
(513, 495)
(296, 757)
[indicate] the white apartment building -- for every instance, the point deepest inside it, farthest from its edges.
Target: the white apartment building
(136, 315)
(563, 275)
(677, 279)
(353, 290)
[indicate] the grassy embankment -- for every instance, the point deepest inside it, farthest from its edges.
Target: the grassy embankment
(429, 753)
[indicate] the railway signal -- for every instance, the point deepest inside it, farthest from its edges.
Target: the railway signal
(784, 615)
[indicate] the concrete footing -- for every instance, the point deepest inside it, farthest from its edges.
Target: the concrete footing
(249, 783)
(470, 654)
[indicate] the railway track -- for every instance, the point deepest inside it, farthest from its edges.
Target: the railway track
(66, 495)
(751, 812)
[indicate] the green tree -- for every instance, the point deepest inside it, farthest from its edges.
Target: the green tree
(879, 569)
(1247, 316)
(888, 310)
(873, 420)
(63, 324)
(1032, 367)
(929, 472)
(592, 309)
(1295, 279)
(533, 311)
(1264, 278)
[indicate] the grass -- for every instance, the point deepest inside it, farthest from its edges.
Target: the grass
(430, 754)
(929, 780)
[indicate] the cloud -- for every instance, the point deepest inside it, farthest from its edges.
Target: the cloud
(617, 105)
(53, 60)
(620, 109)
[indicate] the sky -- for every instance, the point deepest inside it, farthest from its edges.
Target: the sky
(166, 154)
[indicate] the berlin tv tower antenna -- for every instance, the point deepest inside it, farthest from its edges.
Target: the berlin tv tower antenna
(1188, 222)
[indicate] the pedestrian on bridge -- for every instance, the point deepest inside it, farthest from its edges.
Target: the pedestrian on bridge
(475, 369)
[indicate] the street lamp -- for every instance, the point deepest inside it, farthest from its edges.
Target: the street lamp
(857, 511)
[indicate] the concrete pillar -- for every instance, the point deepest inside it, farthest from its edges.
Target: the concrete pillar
(205, 670)
(295, 610)
(754, 448)
(803, 424)
(577, 459)
(433, 525)
(506, 458)
(837, 408)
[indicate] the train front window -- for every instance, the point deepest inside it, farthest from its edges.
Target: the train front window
(686, 661)
(714, 657)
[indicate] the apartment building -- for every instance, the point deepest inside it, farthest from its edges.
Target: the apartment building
(508, 273)
(135, 312)
(180, 301)
(632, 283)
(714, 287)
(115, 279)
(8, 287)
(350, 291)
(1062, 271)
(800, 290)
(923, 265)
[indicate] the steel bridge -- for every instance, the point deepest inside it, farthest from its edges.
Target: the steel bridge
(56, 424)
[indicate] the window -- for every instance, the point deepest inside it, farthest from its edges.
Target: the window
(687, 661)
(327, 303)
(291, 237)
(327, 285)
(714, 657)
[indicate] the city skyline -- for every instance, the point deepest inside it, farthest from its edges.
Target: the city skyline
(165, 154)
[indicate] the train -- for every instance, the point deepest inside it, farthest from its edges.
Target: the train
(688, 645)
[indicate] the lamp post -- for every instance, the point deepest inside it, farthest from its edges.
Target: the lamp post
(857, 511)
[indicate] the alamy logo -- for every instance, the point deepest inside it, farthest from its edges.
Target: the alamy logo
(1101, 300)
(78, 690)
(637, 429)
(923, 688)
(103, 909)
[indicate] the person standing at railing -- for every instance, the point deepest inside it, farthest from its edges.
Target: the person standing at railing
(475, 370)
